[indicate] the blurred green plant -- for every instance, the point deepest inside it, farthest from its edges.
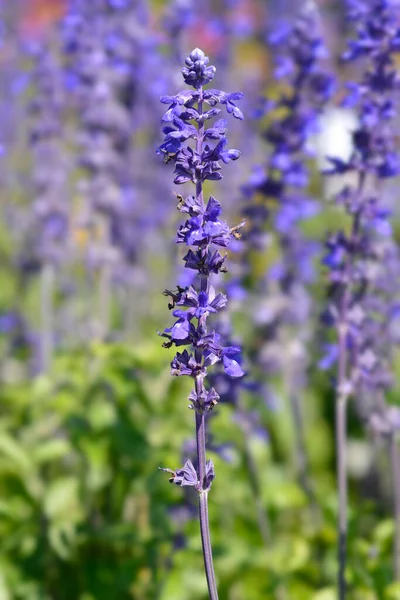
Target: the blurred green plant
(86, 515)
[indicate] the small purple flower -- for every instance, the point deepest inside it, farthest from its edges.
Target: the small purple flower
(186, 476)
(203, 401)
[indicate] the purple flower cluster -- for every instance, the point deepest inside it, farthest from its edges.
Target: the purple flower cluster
(112, 65)
(277, 190)
(377, 42)
(299, 53)
(359, 307)
(110, 51)
(191, 164)
(48, 229)
(100, 75)
(203, 232)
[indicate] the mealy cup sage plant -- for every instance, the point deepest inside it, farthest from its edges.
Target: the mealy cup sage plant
(196, 151)
(353, 254)
(278, 205)
(45, 246)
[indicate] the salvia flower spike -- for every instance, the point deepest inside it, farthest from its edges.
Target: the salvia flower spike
(279, 203)
(195, 141)
(353, 258)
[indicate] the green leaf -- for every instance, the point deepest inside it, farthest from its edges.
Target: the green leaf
(282, 562)
(384, 531)
(14, 452)
(5, 593)
(392, 592)
(62, 500)
(51, 450)
(325, 594)
(62, 538)
(101, 414)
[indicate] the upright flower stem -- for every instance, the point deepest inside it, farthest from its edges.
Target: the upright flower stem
(203, 493)
(342, 396)
(395, 465)
(105, 285)
(104, 299)
(262, 517)
(200, 417)
(302, 464)
(206, 543)
(47, 309)
(203, 507)
(341, 446)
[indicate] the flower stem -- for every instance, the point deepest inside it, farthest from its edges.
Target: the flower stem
(47, 310)
(395, 460)
(203, 507)
(262, 516)
(200, 418)
(301, 458)
(341, 445)
(105, 300)
(342, 395)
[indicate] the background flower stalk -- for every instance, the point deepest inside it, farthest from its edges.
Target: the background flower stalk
(279, 206)
(357, 307)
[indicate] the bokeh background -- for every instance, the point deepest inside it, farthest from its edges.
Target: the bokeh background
(88, 408)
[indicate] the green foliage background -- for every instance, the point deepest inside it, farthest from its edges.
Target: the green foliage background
(85, 514)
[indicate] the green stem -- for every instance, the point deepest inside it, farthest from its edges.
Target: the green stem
(47, 277)
(203, 508)
(395, 463)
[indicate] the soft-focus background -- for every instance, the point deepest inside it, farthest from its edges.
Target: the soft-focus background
(88, 408)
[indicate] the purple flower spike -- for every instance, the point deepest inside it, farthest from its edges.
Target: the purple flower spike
(279, 205)
(354, 258)
(203, 231)
(197, 152)
(363, 262)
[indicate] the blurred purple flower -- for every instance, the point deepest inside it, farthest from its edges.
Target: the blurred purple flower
(359, 307)
(277, 190)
